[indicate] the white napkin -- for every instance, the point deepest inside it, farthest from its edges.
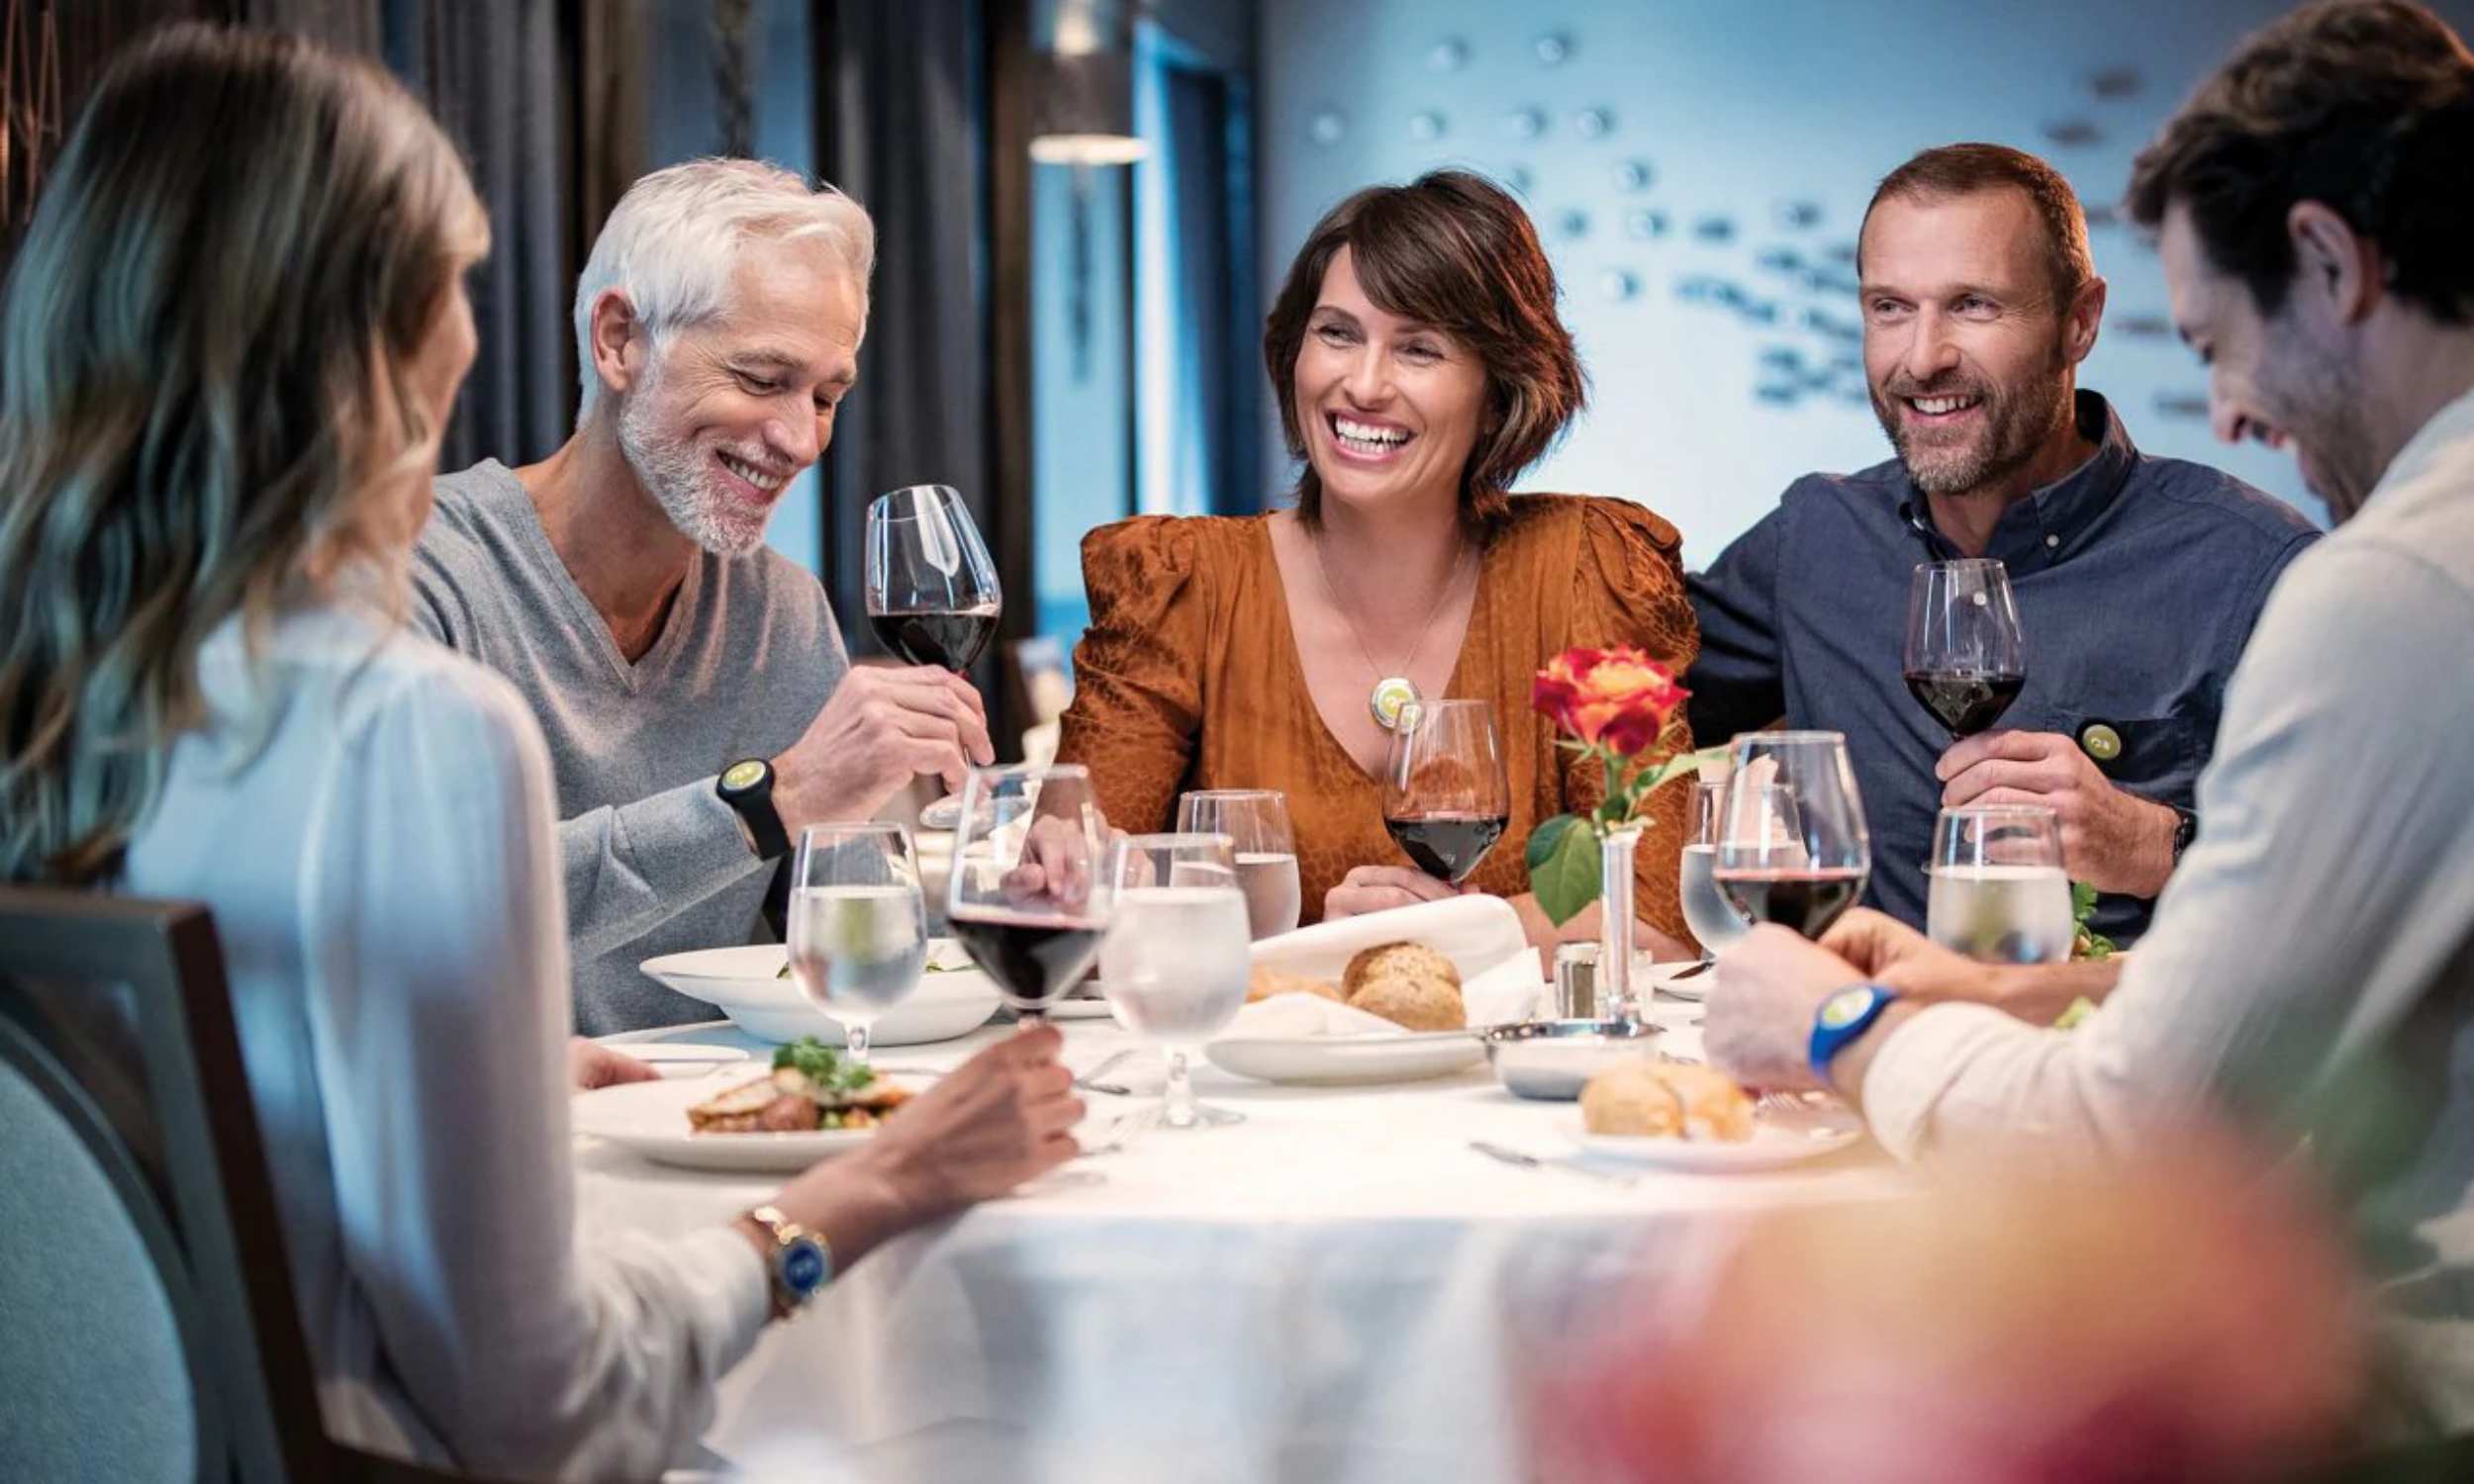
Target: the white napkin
(1481, 935)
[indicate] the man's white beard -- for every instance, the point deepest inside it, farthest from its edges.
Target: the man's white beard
(682, 477)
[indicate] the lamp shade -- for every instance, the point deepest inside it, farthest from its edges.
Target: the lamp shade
(1082, 109)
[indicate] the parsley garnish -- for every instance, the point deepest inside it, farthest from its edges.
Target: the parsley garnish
(826, 1069)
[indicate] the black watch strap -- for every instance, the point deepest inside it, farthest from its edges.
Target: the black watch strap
(2185, 830)
(747, 787)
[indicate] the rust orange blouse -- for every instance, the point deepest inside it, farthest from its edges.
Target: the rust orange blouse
(1189, 678)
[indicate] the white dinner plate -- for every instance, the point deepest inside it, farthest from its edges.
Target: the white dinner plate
(1661, 978)
(954, 997)
(1782, 1136)
(1347, 1060)
(650, 1118)
(682, 1059)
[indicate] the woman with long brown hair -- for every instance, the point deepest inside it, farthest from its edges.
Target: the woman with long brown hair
(1419, 366)
(234, 331)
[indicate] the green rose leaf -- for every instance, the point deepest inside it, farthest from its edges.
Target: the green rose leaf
(1564, 868)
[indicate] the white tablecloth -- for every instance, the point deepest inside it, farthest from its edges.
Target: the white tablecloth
(1336, 1289)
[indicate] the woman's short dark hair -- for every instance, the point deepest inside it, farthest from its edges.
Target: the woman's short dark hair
(2365, 106)
(1452, 250)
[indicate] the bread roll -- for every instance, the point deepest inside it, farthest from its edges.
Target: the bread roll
(1407, 959)
(1417, 1002)
(1264, 982)
(1667, 1099)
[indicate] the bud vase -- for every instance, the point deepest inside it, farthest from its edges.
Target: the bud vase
(1615, 883)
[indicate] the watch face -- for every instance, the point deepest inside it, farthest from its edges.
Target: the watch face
(803, 1265)
(743, 775)
(1845, 1007)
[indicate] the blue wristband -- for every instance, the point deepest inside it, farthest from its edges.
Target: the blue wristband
(1847, 1014)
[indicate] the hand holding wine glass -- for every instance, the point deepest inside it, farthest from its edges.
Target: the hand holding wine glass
(1965, 660)
(1794, 847)
(931, 590)
(1446, 797)
(1028, 894)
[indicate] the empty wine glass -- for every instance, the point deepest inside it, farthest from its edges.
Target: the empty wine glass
(1998, 892)
(858, 932)
(931, 590)
(1965, 657)
(1713, 918)
(1173, 966)
(1028, 894)
(1446, 799)
(1792, 845)
(1256, 823)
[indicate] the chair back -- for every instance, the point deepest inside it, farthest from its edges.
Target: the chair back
(146, 1321)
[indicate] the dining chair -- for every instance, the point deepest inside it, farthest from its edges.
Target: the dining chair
(147, 1330)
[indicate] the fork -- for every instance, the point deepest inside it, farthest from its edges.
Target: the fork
(1523, 1161)
(1089, 1081)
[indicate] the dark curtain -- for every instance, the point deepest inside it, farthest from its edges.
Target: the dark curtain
(1214, 283)
(492, 74)
(903, 125)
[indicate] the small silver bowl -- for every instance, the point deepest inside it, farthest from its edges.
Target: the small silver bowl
(1551, 1060)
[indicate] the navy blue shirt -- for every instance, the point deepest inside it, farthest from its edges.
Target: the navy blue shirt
(2138, 581)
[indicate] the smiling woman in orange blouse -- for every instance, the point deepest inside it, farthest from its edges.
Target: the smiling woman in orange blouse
(1420, 367)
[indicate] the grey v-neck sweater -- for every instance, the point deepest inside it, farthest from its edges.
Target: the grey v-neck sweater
(654, 859)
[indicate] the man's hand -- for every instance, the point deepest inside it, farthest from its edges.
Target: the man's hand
(1759, 1024)
(1892, 953)
(2112, 840)
(1378, 888)
(881, 727)
(591, 1064)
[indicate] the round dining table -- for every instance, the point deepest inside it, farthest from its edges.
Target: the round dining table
(1338, 1288)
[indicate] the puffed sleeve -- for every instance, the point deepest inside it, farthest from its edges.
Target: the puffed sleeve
(1137, 671)
(1628, 589)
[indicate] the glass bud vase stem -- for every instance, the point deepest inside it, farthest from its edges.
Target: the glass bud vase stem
(1615, 882)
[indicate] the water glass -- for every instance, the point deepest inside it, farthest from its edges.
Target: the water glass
(1256, 823)
(1713, 918)
(858, 931)
(1997, 891)
(1174, 966)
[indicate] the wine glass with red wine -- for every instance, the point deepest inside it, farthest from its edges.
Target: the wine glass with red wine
(1792, 845)
(1965, 657)
(1446, 800)
(1029, 893)
(932, 591)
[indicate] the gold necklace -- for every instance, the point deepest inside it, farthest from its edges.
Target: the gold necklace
(1393, 696)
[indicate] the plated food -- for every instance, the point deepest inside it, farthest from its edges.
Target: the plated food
(813, 1087)
(1666, 1101)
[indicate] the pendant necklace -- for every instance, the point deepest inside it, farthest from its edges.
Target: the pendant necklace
(1393, 696)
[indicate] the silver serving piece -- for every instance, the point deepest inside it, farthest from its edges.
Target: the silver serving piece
(1551, 1060)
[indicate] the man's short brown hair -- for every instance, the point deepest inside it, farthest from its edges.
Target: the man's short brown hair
(1451, 250)
(2364, 106)
(1965, 169)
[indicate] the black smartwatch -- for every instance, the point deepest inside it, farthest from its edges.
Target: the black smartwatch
(2185, 830)
(747, 787)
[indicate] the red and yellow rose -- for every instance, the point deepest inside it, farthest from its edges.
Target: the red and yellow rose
(1619, 698)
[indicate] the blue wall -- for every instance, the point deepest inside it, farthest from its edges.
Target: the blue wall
(1776, 119)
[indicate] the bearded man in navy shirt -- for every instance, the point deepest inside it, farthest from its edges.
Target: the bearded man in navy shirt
(2137, 579)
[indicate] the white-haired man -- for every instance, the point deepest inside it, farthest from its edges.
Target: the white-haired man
(693, 685)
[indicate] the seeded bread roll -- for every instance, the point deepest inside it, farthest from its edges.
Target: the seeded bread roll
(1415, 1001)
(1407, 959)
(1262, 983)
(1663, 1099)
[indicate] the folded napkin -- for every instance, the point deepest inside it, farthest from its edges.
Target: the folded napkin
(1481, 935)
